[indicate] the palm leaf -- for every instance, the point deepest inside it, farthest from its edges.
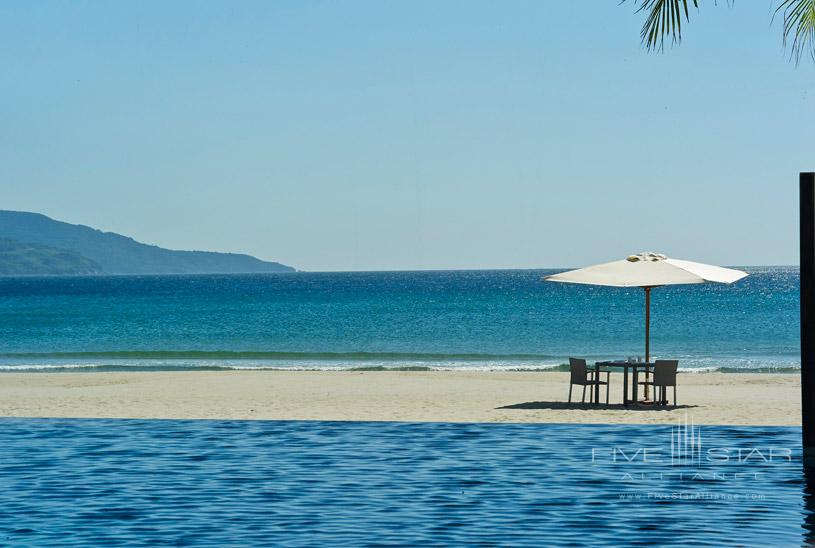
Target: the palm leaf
(799, 27)
(664, 19)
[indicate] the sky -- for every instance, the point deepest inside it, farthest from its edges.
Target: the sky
(407, 135)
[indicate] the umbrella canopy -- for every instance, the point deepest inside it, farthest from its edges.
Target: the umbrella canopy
(648, 270)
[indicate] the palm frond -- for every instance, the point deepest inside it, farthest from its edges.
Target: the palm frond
(664, 19)
(799, 27)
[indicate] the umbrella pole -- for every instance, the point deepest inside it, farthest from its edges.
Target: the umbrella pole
(647, 333)
(647, 324)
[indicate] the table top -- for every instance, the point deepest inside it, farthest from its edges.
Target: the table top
(621, 363)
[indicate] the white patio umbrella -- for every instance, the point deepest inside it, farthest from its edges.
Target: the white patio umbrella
(648, 270)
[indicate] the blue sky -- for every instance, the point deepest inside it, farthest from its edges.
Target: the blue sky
(369, 135)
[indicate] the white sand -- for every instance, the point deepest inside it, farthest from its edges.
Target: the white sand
(707, 398)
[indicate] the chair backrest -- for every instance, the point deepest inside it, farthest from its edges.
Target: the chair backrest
(577, 367)
(665, 372)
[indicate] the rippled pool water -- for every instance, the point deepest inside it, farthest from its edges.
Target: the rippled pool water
(297, 483)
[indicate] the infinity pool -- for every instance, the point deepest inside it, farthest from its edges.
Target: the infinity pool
(298, 483)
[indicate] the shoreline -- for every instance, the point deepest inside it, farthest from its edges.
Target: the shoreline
(390, 396)
(165, 368)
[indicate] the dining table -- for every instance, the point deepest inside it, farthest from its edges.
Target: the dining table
(635, 367)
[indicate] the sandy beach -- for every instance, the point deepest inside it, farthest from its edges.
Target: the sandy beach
(436, 396)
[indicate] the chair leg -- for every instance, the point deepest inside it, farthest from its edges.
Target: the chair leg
(583, 400)
(570, 392)
(608, 387)
(674, 395)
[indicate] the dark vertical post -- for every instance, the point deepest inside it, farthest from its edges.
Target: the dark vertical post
(647, 335)
(807, 284)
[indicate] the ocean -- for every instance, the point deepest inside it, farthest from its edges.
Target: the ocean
(477, 320)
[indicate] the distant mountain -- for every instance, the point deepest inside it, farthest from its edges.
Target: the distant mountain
(111, 253)
(21, 259)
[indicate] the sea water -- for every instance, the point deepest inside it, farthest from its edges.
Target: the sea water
(483, 320)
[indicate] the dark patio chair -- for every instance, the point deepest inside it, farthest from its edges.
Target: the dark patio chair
(664, 376)
(580, 376)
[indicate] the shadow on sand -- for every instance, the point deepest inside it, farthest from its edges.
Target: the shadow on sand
(593, 406)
